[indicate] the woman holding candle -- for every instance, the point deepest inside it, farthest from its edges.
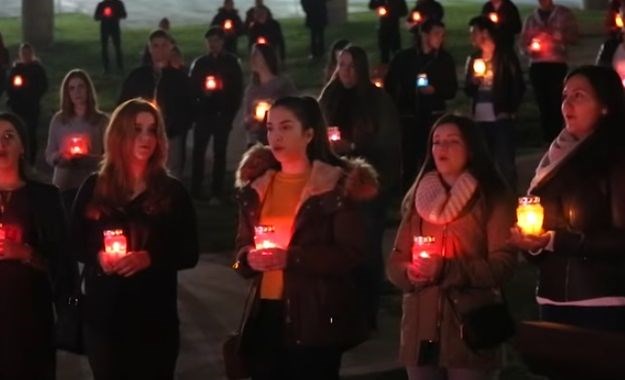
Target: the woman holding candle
(460, 201)
(75, 137)
(370, 128)
(307, 306)
(134, 227)
(266, 85)
(33, 261)
(581, 182)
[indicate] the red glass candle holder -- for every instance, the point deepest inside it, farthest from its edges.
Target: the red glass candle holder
(334, 134)
(108, 12)
(264, 236)
(115, 243)
(423, 247)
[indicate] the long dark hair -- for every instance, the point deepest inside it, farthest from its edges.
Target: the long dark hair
(271, 60)
(67, 110)
(22, 133)
(480, 163)
(337, 46)
(308, 113)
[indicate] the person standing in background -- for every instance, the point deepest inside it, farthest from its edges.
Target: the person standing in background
(108, 13)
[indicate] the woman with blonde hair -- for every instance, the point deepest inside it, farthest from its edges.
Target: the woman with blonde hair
(75, 137)
(134, 227)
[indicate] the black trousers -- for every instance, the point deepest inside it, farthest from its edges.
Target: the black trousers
(271, 359)
(114, 33)
(317, 40)
(547, 81)
(132, 353)
(208, 126)
(389, 40)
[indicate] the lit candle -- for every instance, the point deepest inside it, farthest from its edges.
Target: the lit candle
(261, 109)
(623, 81)
(228, 25)
(416, 17)
(618, 21)
(263, 235)
(78, 145)
(422, 80)
(530, 214)
(494, 17)
(108, 12)
(382, 11)
(423, 247)
(115, 243)
(18, 81)
(479, 67)
(261, 40)
(334, 133)
(535, 45)
(3, 232)
(378, 82)
(212, 83)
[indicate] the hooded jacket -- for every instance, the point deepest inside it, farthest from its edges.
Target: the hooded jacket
(323, 301)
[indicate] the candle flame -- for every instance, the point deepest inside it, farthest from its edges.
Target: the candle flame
(378, 83)
(618, 21)
(535, 45)
(261, 109)
(416, 16)
(108, 12)
(210, 83)
(334, 133)
(530, 215)
(261, 40)
(479, 67)
(18, 81)
(494, 17)
(228, 24)
(382, 11)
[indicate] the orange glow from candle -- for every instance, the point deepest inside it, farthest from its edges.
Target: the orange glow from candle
(378, 82)
(618, 21)
(263, 237)
(115, 243)
(382, 11)
(108, 12)
(18, 81)
(78, 145)
(416, 16)
(530, 215)
(423, 247)
(494, 17)
(261, 109)
(228, 25)
(261, 40)
(535, 45)
(479, 67)
(334, 133)
(11, 232)
(211, 83)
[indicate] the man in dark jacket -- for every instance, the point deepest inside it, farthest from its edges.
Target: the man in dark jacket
(229, 20)
(420, 79)
(494, 81)
(316, 20)
(108, 13)
(249, 14)
(217, 85)
(389, 13)
(265, 30)
(170, 89)
(505, 15)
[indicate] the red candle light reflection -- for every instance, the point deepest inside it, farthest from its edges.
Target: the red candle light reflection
(115, 243)
(78, 145)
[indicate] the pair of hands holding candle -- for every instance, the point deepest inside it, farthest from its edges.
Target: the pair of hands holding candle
(528, 234)
(124, 265)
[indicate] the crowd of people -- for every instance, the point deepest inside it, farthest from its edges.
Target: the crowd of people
(313, 192)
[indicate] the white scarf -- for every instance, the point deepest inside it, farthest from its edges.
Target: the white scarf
(559, 150)
(436, 204)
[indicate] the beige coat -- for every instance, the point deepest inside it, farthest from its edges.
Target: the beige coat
(477, 264)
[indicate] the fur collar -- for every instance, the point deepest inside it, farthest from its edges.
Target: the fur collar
(258, 166)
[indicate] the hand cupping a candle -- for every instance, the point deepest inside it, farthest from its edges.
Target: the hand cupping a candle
(425, 270)
(267, 259)
(126, 265)
(528, 242)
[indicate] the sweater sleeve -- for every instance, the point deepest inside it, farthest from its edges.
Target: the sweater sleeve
(496, 265)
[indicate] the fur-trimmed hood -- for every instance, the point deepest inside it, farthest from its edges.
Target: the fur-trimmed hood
(258, 166)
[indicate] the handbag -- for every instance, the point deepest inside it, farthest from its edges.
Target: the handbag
(68, 335)
(235, 362)
(486, 326)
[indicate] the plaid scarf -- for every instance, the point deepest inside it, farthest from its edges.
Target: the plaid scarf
(436, 204)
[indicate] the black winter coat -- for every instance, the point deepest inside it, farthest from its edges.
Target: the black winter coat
(324, 302)
(401, 77)
(172, 92)
(584, 205)
(508, 83)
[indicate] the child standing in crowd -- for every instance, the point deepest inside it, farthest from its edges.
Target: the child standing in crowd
(307, 304)
(130, 308)
(75, 137)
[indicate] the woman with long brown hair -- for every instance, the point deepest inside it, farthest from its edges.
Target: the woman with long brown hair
(76, 132)
(134, 227)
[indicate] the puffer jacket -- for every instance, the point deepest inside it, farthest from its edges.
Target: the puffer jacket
(477, 262)
(324, 303)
